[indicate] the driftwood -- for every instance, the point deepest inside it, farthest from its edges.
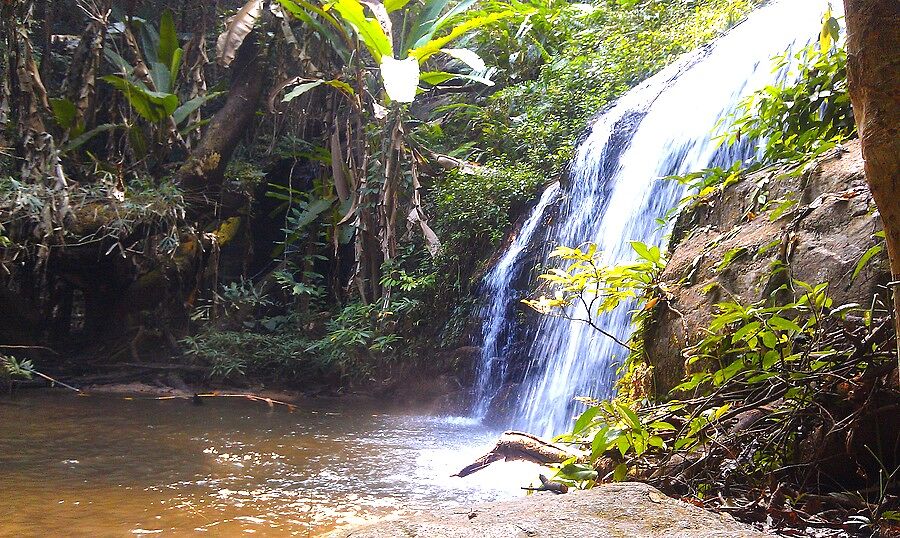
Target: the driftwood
(523, 447)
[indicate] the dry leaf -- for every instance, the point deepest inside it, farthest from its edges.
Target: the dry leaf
(237, 28)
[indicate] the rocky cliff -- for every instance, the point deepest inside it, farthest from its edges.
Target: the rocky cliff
(744, 242)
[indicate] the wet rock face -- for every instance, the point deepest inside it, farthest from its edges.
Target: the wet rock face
(819, 239)
(608, 511)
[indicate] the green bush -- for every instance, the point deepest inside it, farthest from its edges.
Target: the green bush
(798, 120)
(233, 354)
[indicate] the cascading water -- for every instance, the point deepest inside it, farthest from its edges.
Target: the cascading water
(496, 334)
(664, 126)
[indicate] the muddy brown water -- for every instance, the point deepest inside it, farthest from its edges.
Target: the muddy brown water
(106, 466)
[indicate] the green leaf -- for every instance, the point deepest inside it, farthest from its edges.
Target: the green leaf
(585, 419)
(425, 24)
(630, 415)
(578, 471)
(149, 43)
(369, 30)
(434, 78)
(300, 89)
(643, 251)
(769, 339)
(730, 257)
(335, 33)
(661, 426)
(744, 331)
(168, 39)
(394, 5)
(600, 443)
(861, 264)
(176, 64)
(79, 141)
(182, 112)
(120, 63)
(313, 210)
(427, 49)
(64, 112)
(620, 472)
(152, 106)
(161, 76)
(341, 85)
(784, 324)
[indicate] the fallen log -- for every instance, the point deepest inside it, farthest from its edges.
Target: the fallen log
(524, 447)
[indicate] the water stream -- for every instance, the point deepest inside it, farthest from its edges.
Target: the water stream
(106, 466)
(664, 126)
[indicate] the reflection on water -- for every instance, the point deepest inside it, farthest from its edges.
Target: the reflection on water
(104, 466)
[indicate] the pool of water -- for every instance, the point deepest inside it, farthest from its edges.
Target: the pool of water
(107, 466)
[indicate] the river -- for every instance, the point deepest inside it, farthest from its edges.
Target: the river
(109, 466)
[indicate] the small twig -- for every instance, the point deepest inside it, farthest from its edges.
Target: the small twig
(29, 347)
(57, 382)
(271, 402)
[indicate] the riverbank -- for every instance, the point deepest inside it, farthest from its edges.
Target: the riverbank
(612, 510)
(440, 385)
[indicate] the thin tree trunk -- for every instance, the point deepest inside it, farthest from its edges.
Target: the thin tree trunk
(873, 72)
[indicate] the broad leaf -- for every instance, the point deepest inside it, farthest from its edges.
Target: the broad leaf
(168, 39)
(152, 106)
(369, 30)
(340, 40)
(426, 50)
(430, 21)
(381, 15)
(64, 112)
(438, 77)
(149, 43)
(300, 89)
(181, 113)
(121, 63)
(394, 5)
(161, 76)
(79, 141)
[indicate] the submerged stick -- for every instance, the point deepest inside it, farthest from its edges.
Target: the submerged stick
(196, 398)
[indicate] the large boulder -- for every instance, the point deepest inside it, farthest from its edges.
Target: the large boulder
(821, 238)
(607, 511)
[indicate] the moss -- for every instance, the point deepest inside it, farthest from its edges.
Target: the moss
(227, 230)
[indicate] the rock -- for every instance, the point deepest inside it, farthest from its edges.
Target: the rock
(821, 239)
(612, 510)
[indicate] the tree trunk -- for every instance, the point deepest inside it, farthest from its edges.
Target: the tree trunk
(204, 170)
(873, 73)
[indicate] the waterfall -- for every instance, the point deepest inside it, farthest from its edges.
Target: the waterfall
(664, 126)
(496, 331)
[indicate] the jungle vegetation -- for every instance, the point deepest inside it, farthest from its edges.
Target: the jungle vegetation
(200, 180)
(296, 191)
